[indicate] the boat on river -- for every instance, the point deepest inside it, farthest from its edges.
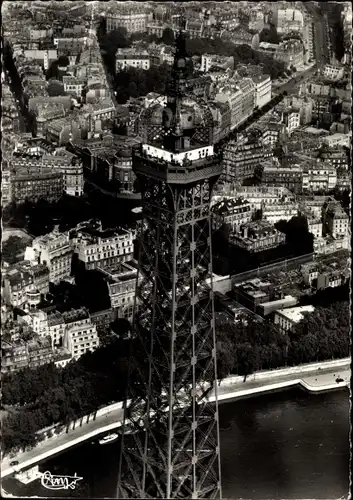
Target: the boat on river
(110, 438)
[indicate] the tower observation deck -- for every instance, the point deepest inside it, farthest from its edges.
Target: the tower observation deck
(170, 445)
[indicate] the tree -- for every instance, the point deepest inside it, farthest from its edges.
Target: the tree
(248, 359)
(12, 248)
(168, 36)
(297, 234)
(269, 35)
(55, 88)
(226, 358)
(114, 40)
(133, 90)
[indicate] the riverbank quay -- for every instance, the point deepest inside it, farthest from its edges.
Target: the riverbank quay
(314, 377)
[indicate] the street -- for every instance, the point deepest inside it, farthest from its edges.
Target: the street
(321, 49)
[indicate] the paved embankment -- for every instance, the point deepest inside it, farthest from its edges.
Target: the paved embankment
(314, 377)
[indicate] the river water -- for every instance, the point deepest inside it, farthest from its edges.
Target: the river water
(282, 445)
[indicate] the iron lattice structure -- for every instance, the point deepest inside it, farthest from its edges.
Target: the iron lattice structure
(150, 124)
(170, 443)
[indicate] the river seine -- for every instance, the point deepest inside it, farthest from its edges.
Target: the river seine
(284, 445)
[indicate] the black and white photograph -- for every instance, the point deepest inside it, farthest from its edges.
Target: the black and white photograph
(176, 249)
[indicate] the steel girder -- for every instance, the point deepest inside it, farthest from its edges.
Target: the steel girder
(172, 449)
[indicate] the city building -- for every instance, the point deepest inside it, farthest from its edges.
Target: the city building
(287, 319)
(80, 333)
(274, 212)
(290, 52)
(338, 140)
(266, 308)
(247, 88)
(71, 168)
(126, 58)
(45, 113)
(121, 282)
(252, 293)
(270, 132)
(18, 355)
(14, 356)
(304, 105)
(103, 319)
(263, 89)
(159, 54)
(74, 86)
(257, 236)
(291, 119)
(256, 195)
(211, 62)
(315, 226)
(319, 177)
(313, 204)
(50, 101)
(96, 247)
(288, 19)
(99, 112)
(54, 251)
(6, 194)
(233, 212)
(36, 183)
(290, 177)
(333, 71)
(320, 274)
(241, 98)
(62, 130)
(335, 220)
(56, 328)
(221, 113)
(24, 284)
(134, 22)
(42, 57)
(36, 320)
(242, 160)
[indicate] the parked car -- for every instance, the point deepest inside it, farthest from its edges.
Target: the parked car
(14, 462)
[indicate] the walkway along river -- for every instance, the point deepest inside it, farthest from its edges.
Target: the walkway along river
(292, 444)
(323, 378)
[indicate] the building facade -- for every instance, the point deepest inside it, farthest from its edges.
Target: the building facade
(134, 22)
(263, 89)
(242, 160)
(257, 237)
(80, 333)
(319, 177)
(34, 184)
(121, 282)
(22, 280)
(275, 212)
(287, 319)
(288, 177)
(233, 212)
(127, 58)
(54, 251)
(21, 354)
(101, 248)
(335, 220)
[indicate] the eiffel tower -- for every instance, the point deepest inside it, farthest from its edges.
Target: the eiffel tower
(170, 441)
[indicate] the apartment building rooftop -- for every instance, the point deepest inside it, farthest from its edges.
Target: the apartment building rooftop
(75, 315)
(55, 318)
(296, 314)
(227, 205)
(122, 271)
